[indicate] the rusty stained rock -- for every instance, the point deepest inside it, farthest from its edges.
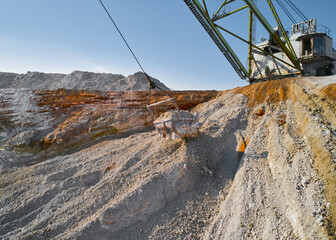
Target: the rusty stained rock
(282, 119)
(260, 113)
(93, 114)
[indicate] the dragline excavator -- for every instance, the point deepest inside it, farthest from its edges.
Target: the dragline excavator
(306, 51)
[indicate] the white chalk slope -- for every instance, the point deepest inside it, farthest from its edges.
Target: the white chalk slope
(145, 187)
(77, 80)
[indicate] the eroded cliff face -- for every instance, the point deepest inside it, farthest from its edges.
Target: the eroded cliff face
(43, 123)
(263, 167)
(285, 186)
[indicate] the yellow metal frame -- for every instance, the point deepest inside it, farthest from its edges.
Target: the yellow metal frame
(214, 30)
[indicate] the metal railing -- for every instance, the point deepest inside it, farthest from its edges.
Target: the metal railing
(317, 29)
(323, 29)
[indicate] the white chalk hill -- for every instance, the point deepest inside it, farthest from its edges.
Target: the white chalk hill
(77, 80)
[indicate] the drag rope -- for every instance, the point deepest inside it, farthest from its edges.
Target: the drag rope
(151, 84)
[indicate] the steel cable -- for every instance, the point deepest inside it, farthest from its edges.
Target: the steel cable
(297, 10)
(286, 11)
(151, 84)
(136, 59)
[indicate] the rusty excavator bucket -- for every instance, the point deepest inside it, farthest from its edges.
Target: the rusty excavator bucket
(173, 124)
(176, 124)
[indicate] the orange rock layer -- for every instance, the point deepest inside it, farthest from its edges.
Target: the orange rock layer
(84, 116)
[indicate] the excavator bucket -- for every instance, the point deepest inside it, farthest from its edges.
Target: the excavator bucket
(176, 124)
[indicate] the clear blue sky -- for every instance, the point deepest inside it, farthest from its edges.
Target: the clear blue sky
(66, 35)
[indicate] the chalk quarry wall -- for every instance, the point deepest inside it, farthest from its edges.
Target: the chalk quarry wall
(262, 168)
(38, 124)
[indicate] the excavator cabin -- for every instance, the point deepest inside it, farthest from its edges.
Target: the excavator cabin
(313, 47)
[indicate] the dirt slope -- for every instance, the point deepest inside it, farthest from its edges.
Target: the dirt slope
(263, 168)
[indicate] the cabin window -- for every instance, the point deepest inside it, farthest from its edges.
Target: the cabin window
(318, 45)
(313, 46)
(306, 47)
